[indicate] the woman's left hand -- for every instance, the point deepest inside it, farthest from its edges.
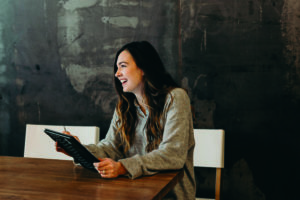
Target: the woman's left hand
(108, 168)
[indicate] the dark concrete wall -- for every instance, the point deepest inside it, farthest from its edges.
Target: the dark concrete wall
(239, 60)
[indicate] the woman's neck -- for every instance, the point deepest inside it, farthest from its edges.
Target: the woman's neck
(142, 102)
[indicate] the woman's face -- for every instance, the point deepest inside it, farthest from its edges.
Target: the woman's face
(130, 76)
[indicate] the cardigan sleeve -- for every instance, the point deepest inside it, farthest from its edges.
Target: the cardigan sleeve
(173, 150)
(110, 146)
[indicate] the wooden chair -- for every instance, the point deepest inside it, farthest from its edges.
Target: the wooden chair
(209, 152)
(39, 145)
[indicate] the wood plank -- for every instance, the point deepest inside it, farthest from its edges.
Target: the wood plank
(33, 178)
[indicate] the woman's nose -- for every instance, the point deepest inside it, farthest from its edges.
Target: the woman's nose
(118, 73)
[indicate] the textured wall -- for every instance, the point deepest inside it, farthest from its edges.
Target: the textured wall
(239, 60)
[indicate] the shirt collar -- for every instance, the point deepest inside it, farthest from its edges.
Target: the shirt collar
(140, 112)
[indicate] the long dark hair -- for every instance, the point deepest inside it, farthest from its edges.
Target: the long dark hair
(157, 84)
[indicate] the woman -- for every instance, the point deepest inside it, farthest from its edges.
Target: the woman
(152, 128)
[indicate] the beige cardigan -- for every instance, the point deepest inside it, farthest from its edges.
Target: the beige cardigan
(174, 152)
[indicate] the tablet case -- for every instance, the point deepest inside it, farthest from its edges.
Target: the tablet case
(74, 148)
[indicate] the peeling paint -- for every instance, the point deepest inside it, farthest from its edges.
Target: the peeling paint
(2, 53)
(103, 3)
(77, 4)
(145, 23)
(114, 44)
(3, 80)
(121, 21)
(68, 24)
(68, 32)
(129, 3)
(2, 69)
(112, 3)
(80, 75)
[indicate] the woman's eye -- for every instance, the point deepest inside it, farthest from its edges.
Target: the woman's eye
(123, 65)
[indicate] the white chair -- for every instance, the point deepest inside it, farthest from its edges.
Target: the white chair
(209, 152)
(39, 145)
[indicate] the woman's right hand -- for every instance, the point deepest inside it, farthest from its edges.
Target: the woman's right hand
(59, 149)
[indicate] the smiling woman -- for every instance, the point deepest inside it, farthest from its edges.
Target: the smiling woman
(130, 75)
(152, 126)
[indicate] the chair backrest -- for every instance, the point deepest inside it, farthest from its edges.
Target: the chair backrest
(39, 145)
(209, 148)
(209, 152)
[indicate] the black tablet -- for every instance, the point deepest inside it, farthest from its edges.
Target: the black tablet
(74, 148)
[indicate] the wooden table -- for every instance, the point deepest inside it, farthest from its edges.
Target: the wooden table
(33, 178)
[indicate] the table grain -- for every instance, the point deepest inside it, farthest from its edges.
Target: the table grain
(45, 179)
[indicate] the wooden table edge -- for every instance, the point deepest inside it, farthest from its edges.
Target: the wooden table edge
(171, 184)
